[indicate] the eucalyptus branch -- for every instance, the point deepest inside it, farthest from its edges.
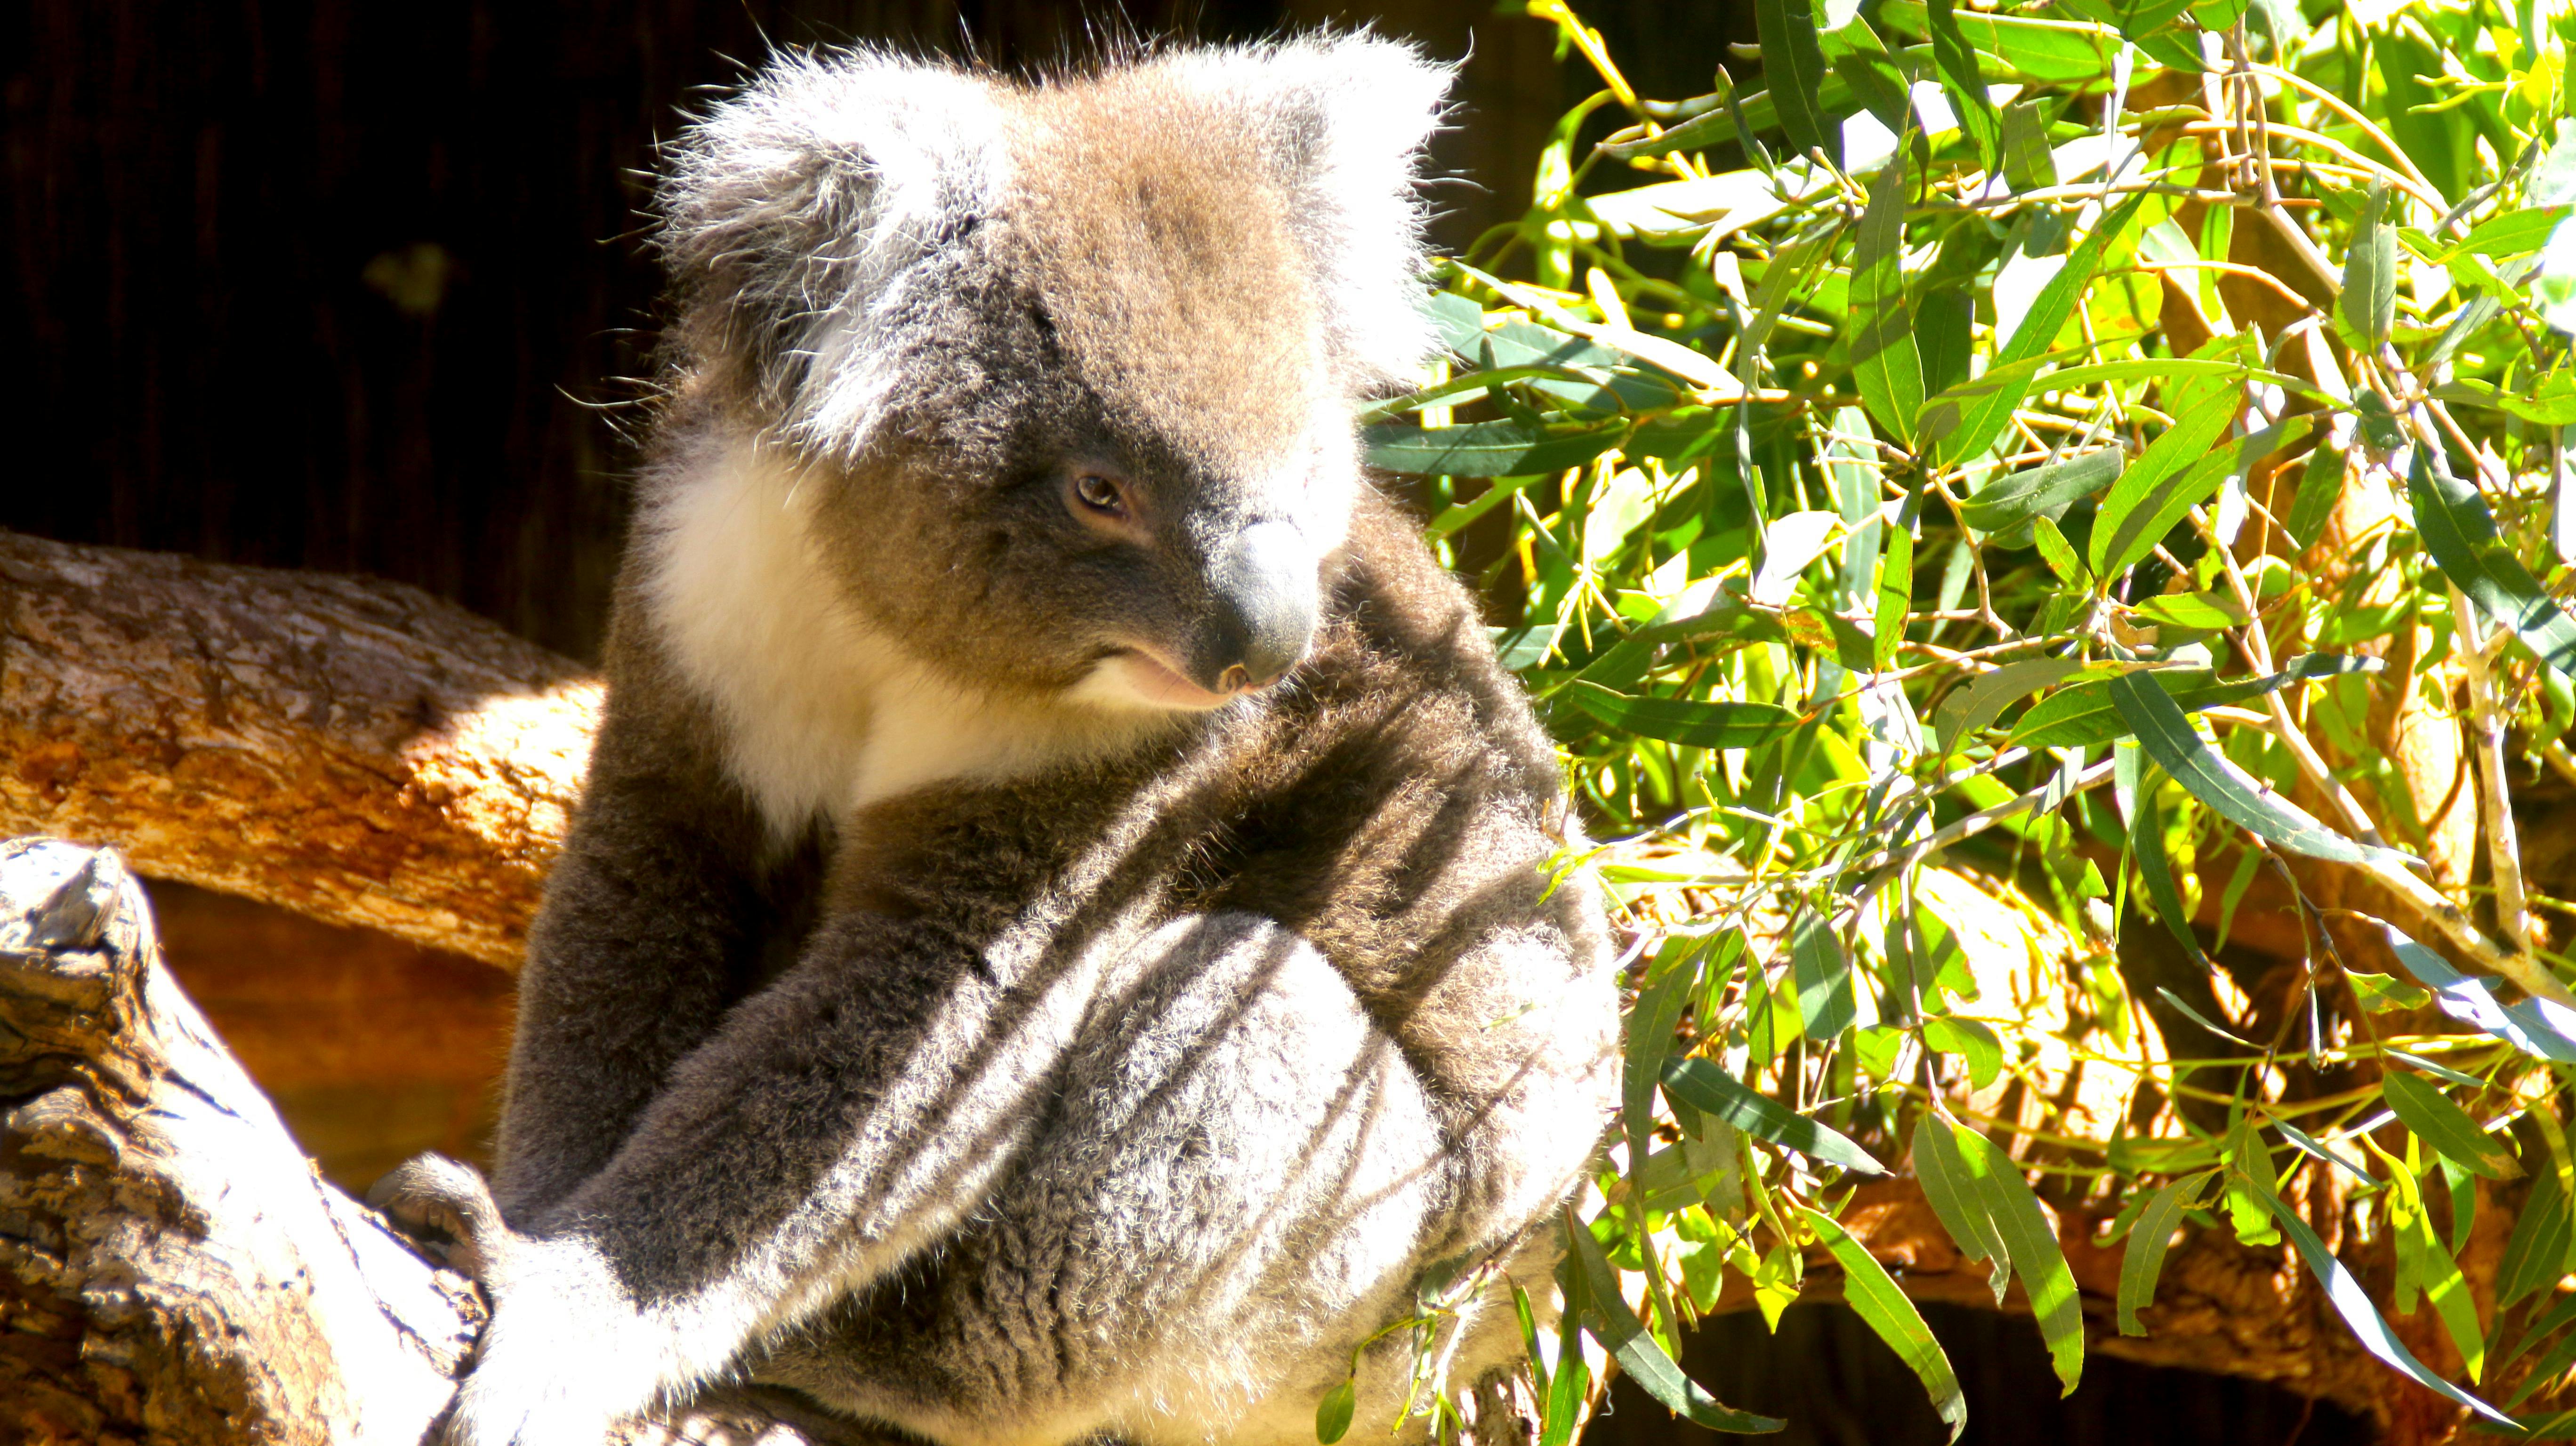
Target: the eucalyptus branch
(2486, 732)
(1892, 862)
(2258, 651)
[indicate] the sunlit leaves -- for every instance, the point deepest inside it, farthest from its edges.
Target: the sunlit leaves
(1960, 80)
(1794, 65)
(2353, 1303)
(2461, 535)
(1884, 1308)
(2167, 736)
(2445, 1126)
(1990, 1211)
(2149, 1239)
(1885, 363)
(1710, 1090)
(1610, 1320)
(1854, 526)
(2367, 307)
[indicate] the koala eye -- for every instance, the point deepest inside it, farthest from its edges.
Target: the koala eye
(1099, 493)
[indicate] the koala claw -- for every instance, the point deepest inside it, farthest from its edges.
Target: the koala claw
(446, 1209)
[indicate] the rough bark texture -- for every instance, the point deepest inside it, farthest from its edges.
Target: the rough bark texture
(351, 749)
(170, 1267)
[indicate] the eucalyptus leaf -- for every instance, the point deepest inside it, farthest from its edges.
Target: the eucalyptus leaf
(1794, 66)
(2040, 50)
(2144, 1258)
(1963, 421)
(1612, 1323)
(2154, 496)
(1957, 65)
(2460, 534)
(1485, 449)
(2380, 993)
(1997, 1183)
(2043, 490)
(1874, 1297)
(1333, 1413)
(1712, 1091)
(2353, 1303)
(2445, 1126)
(1969, 709)
(1683, 720)
(1885, 363)
(1824, 976)
(2367, 306)
(2147, 848)
(1950, 1190)
(2085, 713)
(2167, 736)
(2537, 1027)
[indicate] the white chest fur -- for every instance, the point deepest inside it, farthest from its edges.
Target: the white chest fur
(822, 714)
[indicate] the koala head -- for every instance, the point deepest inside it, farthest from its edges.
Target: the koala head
(1065, 368)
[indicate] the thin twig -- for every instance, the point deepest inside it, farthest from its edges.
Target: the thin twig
(2486, 730)
(2258, 649)
(1976, 823)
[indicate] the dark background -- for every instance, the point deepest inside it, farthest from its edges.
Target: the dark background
(313, 283)
(316, 283)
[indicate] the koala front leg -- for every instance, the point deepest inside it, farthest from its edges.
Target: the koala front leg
(837, 1121)
(652, 927)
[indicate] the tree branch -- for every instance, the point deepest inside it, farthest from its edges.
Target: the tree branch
(350, 749)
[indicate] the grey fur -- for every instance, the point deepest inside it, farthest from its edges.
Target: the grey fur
(941, 1009)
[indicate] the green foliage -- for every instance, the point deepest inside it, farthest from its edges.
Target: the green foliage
(1946, 502)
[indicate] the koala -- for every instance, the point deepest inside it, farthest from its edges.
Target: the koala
(1062, 937)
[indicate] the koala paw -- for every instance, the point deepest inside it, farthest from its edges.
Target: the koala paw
(532, 1404)
(445, 1209)
(567, 1353)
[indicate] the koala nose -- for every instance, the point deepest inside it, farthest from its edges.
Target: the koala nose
(1264, 582)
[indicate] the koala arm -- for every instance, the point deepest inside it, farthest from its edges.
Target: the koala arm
(646, 936)
(846, 1115)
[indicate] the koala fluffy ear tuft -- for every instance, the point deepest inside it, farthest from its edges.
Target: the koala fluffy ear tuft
(791, 214)
(1344, 119)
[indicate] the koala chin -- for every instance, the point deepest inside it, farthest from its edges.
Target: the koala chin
(1059, 941)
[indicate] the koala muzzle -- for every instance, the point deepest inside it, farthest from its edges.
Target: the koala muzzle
(1263, 584)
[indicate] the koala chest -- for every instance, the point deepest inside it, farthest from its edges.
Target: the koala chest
(819, 713)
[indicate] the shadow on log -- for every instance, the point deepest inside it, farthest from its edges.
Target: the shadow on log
(171, 1267)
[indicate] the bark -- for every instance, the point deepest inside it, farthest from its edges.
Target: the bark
(350, 749)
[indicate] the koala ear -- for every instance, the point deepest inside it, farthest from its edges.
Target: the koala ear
(1344, 119)
(792, 214)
